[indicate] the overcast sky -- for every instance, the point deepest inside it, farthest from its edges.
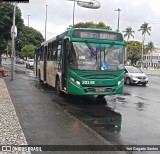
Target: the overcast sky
(60, 15)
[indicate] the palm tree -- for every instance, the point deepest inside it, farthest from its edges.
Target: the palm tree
(150, 46)
(145, 30)
(128, 33)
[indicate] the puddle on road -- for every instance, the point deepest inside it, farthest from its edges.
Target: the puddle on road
(44, 87)
(20, 72)
(110, 122)
(141, 106)
(126, 94)
(91, 111)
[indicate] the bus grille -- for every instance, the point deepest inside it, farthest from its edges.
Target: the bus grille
(98, 75)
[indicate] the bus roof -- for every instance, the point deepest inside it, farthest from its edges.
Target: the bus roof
(70, 31)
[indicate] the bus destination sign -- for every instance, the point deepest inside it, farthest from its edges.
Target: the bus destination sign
(97, 35)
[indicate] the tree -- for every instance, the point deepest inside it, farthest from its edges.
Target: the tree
(8, 49)
(24, 32)
(145, 30)
(91, 25)
(28, 35)
(134, 48)
(27, 51)
(149, 46)
(6, 22)
(128, 33)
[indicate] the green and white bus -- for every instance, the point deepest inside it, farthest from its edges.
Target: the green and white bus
(83, 61)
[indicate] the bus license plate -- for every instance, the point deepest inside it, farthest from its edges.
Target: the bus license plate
(100, 89)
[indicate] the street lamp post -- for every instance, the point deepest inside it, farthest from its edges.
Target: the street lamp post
(92, 4)
(13, 42)
(74, 11)
(46, 22)
(119, 10)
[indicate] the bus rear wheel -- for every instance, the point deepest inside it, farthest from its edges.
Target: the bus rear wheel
(58, 91)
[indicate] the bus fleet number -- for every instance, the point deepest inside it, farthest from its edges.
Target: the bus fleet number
(88, 82)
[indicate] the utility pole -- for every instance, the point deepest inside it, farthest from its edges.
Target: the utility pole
(119, 10)
(13, 42)
(142, 53)
(46, 22)
(28, 19)
(28, 27)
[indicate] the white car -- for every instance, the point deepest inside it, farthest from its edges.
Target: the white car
(30, 63)
(134, 75)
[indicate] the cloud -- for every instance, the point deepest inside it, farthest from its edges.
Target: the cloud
(60, 15)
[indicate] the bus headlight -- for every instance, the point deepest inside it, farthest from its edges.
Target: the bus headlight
(119, 82)
(72, 79)
(78, 83)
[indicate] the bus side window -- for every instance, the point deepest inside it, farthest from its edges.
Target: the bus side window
(59, 51)
(48, 56)
(54, 51)
(51, 55)
(41, 53)
(54, 55)
(49, 51)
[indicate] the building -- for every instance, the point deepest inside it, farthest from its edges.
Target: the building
(152, 59)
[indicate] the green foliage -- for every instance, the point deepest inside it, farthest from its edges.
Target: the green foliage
(91, 25)
(145, 29)
(8, 49)
(149, 46)
(28, 35)
(6, 21)
(25, 35)
(27, 51)
(128, 33)
(134, 50)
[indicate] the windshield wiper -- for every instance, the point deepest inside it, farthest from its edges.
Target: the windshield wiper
(109, 49)
(90, 47)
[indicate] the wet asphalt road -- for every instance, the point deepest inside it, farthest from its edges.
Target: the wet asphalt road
(132, 120)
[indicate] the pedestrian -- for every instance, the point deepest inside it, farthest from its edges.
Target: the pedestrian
(3, 71)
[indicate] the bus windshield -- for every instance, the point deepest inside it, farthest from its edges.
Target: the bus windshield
(93, 56)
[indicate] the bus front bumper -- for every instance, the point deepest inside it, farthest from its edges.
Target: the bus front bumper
(74, 89)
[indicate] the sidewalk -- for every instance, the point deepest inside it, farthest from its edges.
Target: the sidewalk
(10, 129)
(152, 71)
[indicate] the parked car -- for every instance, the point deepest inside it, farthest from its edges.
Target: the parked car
(30, 63)
(19, 61)
(134, 75)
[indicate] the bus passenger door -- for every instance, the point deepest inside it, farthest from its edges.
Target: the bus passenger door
(64, 63)
(36, 61)
(45, 64)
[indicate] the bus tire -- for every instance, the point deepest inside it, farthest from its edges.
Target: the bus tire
(101, 99)
(58, 91)
(39, 77)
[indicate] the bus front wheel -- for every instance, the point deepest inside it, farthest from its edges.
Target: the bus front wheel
(101, 99)
(58, 91)
(39, 77)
